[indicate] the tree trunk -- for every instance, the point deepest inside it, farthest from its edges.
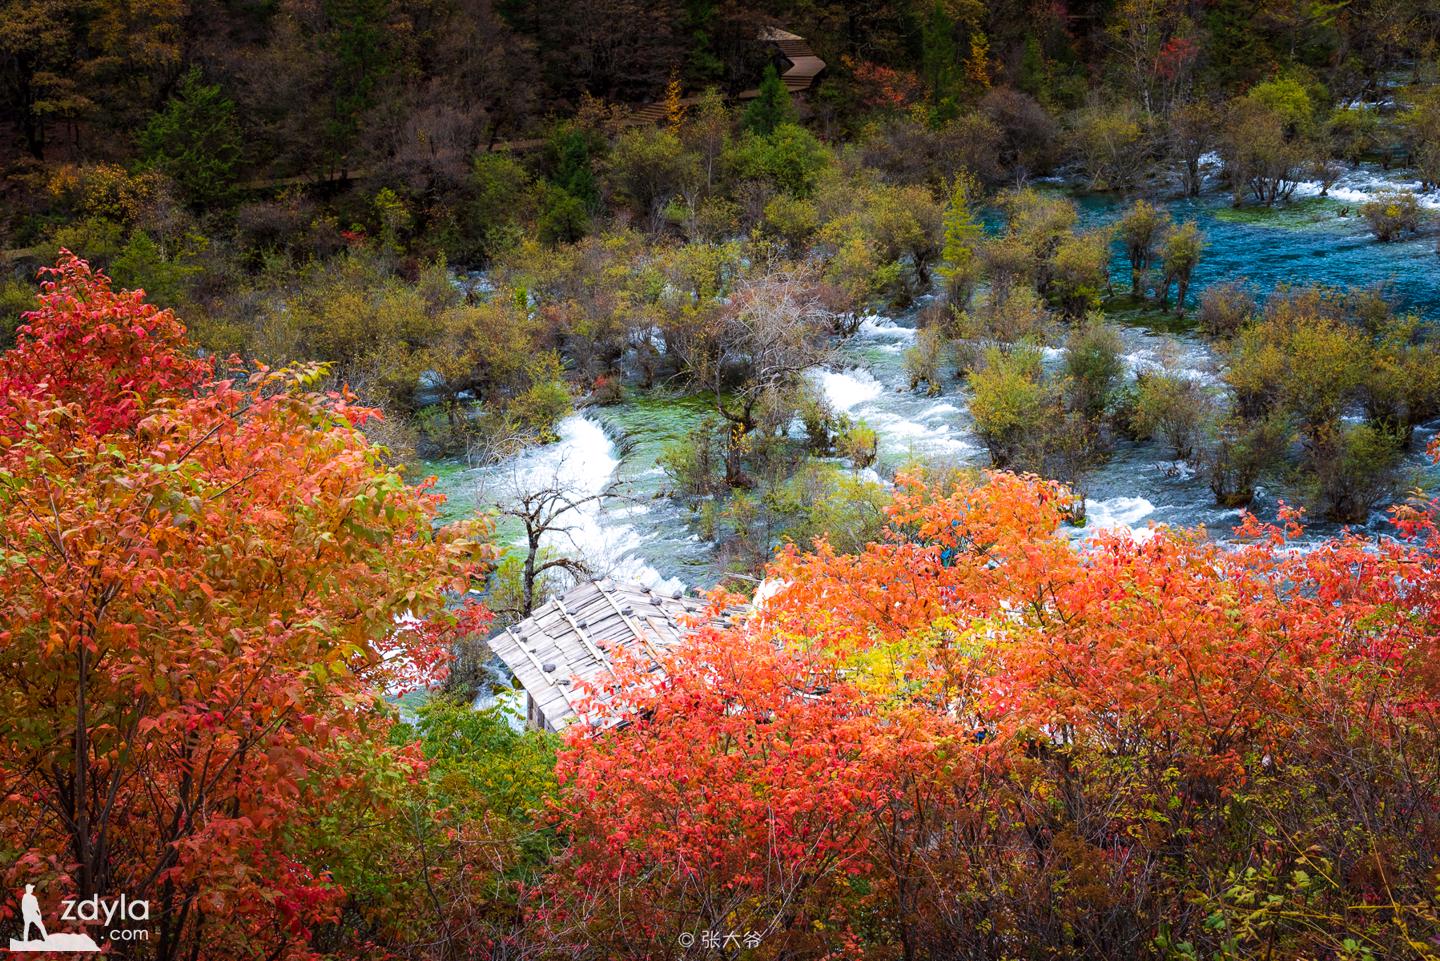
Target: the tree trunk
(533, 551)
(734, 450)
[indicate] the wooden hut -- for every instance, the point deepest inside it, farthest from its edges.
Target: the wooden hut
(574, 638)
(795, 61)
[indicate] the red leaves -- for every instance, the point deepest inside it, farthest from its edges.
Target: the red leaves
(1176, 56)
(976, 669)
(736, 783)
(107, 353)
(884, 87)
(345, 404)
(245, 579)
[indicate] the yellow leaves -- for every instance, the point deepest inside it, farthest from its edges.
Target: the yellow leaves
(977, 64)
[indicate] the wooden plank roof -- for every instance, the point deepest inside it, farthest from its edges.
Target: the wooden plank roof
(574, 638)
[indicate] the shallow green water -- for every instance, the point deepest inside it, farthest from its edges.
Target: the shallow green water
(648, 537)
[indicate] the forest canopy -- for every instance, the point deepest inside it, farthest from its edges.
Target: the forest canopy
(1041, 399)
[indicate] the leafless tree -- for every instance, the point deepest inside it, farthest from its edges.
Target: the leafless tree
(549, 509)
(774, 327)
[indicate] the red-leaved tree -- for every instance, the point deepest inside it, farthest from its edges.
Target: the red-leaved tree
(206, 588)
(107, 352)
(977, 739)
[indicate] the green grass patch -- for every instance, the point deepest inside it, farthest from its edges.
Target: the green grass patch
(1302, 214)
(1135, 312)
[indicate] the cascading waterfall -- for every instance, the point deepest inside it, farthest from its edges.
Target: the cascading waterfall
(605, 534)
(650, 539)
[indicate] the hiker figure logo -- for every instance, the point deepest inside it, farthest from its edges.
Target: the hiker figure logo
(34, 923)
(35, 936)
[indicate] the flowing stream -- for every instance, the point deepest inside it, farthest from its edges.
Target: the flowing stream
(646, 537)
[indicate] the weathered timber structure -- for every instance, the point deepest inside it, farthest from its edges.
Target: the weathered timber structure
(576, 636)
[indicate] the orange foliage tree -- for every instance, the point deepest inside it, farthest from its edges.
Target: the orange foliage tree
(978, 739)
(206, 587)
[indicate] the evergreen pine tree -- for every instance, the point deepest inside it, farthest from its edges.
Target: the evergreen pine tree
(196, 140)
(959, 260)
(771, 108)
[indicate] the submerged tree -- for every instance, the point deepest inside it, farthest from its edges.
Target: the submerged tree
(774, 327)
(1141, 230)
(1267, 139)
(550, 508)
(1180, 254)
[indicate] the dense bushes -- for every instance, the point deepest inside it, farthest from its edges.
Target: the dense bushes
(1391, 215)
(1051, 423)
(1224, 309)
(1315, 359)
(974, 739)
(483, 365)
(1267, 139)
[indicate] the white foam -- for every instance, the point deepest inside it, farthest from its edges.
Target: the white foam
(845, 390)
(1145, 361)
(1119, 513)
(895, 426)
(1363, 184)
(583, 462)
(901, 432)
(878, 326)
(856, 391)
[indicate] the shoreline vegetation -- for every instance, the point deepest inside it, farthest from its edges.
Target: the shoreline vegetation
(894, 356)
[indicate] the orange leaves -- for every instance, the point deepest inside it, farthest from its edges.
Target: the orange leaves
(231, 577)
(1171, 637)
(979, 696)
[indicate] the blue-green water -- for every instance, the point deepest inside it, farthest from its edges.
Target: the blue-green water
(1309, 241)
(648, 537)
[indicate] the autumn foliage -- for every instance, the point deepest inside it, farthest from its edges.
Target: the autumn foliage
(973, 738)
(976, 739)
(206, 586)
(107, 352)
